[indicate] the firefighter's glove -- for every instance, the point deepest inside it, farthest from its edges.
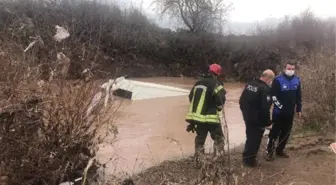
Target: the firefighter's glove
(191, 127)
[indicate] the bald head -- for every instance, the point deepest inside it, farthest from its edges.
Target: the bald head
(267, 76)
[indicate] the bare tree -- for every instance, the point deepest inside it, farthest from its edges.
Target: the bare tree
(197, 15)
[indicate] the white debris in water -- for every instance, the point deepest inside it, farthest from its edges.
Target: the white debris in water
(61, 33)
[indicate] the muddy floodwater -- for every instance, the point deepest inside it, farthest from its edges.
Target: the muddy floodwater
(153, 130)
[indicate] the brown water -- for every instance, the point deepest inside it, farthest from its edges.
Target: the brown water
(153, 130)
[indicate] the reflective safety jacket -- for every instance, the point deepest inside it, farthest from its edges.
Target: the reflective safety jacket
(286, 95)
(207, 98)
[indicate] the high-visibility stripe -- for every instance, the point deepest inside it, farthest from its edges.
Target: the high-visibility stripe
(201, 102)
(209, 116)
(197, 116)
(203, 118)
(220, 87)
(192, 101)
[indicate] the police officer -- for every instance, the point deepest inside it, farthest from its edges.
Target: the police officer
(255, 103)
(286, 95)
(207, 98)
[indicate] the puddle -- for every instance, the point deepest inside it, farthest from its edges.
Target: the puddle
(153, 130)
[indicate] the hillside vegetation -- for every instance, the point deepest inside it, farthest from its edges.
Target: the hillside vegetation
(104, 38)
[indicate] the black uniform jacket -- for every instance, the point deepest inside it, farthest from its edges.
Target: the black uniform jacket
(255, 103)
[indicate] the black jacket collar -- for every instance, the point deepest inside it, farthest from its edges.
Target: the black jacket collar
(262, 82)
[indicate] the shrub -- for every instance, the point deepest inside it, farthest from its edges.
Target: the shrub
(318, 79)
(46, 135)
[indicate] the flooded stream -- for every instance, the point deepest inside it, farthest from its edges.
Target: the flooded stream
(154, 130)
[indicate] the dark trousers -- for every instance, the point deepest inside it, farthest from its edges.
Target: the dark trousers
(216, 134)
(254, 136)
(281, 130)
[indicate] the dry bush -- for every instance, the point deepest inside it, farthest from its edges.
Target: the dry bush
(47, 137)
(318, 85)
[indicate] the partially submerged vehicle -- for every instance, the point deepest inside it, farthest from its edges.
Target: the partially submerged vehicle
(136, 90)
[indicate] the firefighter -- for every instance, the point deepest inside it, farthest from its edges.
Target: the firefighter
(286, 96)
(255, 103)
(207, 98)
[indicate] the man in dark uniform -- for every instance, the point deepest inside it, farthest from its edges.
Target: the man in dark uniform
(255, 103)
(286, 95)
(207, 99)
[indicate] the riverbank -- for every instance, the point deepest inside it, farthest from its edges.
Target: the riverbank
(311, 163)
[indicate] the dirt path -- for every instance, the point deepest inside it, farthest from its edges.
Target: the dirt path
(311, 163)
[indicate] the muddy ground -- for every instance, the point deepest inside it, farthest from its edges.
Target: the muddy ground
(310, 163)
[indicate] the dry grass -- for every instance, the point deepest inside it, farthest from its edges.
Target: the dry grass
(52, 140)
(47, 137)
(318, 78)
(305, 155)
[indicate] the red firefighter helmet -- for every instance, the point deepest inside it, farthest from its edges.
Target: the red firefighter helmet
(216, 69)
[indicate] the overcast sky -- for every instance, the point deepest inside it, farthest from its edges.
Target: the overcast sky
(247, 12)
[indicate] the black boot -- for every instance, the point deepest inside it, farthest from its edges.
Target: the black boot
(282, 154)
(252, 163)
